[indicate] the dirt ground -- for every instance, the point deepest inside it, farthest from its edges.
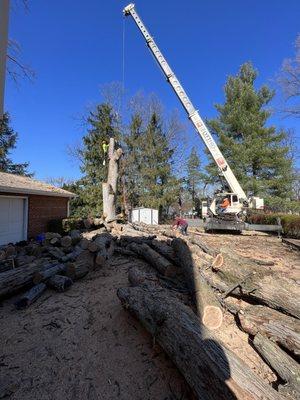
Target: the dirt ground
(82, 345)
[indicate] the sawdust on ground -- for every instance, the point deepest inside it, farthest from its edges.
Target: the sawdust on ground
(82, 345)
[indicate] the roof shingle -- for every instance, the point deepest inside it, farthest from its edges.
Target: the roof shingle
(10, 183)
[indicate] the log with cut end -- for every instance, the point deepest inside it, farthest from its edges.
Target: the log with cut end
(20, 278)
(248, 280)
(42, 276)
(161, 264)
(31, 296)
(280, 328)
(208, 307)
(284, 365)
(82, 266)
(59, 283)
(212, 371)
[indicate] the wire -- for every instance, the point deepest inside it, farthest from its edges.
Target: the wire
(123, 56)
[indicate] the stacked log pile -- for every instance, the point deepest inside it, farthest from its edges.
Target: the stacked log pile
(54, 263)
(186, 331)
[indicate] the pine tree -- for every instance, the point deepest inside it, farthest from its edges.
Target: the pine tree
(257, 153)
(8, 140)
(160, 187)
(133, 161)
(194, 176)
(103, 125)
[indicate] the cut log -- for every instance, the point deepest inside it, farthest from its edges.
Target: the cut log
(84, 243)
(31, 296)
(77, 270)
(136, 278)
(208, 307)
(42, 276)
(20, 278)
(126, 240)
(253, 282)
(165, 250)
(285, 366)
(59, 283)
(87, 258)
(66, 241)
(203, 246)
(212, 371)
(73, 255)
(161, 264)
(280, 328)
(126, 252)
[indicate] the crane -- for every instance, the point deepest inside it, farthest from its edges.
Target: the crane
(236, 196)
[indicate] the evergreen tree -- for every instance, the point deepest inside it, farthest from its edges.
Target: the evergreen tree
(257, 153)
(103, 125)
(160, 187)
(8, 139)
(133, 161)
(194, 177)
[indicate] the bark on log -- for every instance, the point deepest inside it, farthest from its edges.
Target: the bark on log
(211, 370)
(278, 327)
(136, 278)
(31, 296)
(86, 258)
(265, 287)
(285, 366)
(203, 246)
(208, 307)
(41, 276)
(161, 264)
(20, 278)
(73, 255)
(59, 283)
(77, 270)
(165, 250)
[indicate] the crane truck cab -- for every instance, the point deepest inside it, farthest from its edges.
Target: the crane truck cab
(226, 203)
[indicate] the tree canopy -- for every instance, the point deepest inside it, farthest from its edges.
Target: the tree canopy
(8, 141)
(257, 152)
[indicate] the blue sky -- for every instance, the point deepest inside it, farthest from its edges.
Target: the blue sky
(76, 46)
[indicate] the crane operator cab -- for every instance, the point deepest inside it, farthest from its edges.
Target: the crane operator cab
(226, 203)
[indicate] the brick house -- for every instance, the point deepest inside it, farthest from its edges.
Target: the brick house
(27, 206)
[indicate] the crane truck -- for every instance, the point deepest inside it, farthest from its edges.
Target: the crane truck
(219, 218)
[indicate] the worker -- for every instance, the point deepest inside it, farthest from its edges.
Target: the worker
(180, 224)
(225, 203)
(105, 147)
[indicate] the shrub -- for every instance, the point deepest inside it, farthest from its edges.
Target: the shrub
(68, 224)
(290, 223)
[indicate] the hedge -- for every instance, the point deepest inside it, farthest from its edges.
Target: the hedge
(290, 223)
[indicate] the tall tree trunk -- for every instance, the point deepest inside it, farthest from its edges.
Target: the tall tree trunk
(109, 188)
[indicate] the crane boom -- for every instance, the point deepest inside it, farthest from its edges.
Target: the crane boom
(188, 106)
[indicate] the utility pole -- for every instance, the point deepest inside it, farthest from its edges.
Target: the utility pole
(4, 16)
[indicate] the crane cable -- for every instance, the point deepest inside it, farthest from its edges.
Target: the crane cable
(123, 62)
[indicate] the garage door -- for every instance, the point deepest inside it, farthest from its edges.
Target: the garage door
(12, 220)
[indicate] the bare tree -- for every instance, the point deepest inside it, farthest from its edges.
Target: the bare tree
(59, 182)
(16, 68)
(289, 80)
